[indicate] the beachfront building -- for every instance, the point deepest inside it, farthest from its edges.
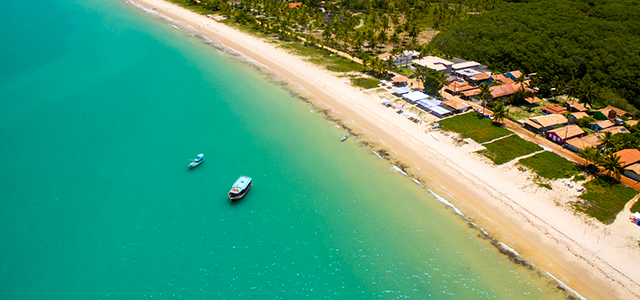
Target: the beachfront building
(553, 109)
(455, 105)
(458, 86)
(592, 140)
(579, 115)
(405, 58)
(532, 101)
(610, 113)
(574, 106)
(513, 74)
(562, 134)
(600, 125)
(435, 63)
(400, 80)
(630, 161)
(479, 79)
(545, 123)
(441, 111)
(498, 91)
(579, 143)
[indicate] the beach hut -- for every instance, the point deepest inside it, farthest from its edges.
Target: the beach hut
(400, 80)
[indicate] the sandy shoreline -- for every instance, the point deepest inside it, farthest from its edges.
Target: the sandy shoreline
(597, 261)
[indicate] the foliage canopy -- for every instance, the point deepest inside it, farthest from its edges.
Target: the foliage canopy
(588, 47)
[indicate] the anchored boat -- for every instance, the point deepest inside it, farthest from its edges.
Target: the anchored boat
(196, 162)
(240, 188)
(344, 137)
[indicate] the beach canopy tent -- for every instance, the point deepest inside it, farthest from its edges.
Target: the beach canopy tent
(386, 101)
(401, 90)
(429, 103)
(440, 111)
(415, 96)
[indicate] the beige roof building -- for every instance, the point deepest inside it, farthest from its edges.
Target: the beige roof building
(567, 131)
(615, 130)
(628, 156)
(457, 105)
(573, 105)
(579, 115)
(532, 100)
(544, 123)
(435, 63)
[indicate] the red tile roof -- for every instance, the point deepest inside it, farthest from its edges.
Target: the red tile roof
(554, 109)
(502, 90)
(628, 156)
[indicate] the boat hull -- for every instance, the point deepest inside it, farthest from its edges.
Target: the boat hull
(195, 164)
(239, 195)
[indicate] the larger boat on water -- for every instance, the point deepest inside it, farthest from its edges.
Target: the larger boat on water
(240, 188)
(196, 162)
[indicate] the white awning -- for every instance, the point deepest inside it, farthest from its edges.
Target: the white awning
(415, 96)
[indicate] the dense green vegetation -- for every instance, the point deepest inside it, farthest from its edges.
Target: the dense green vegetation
(474, 126)
(588, 48)
(605, 198)
(504, 150)
(365, 83)
(635, 207)
(323, 57)
(550, 165)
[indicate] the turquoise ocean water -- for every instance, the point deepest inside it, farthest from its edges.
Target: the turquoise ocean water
(103, 106)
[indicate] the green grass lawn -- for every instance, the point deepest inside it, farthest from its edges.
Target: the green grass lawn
(366, 83)
(635, 207)
(605, 198)
(506, 149)
(474, 126)
(550, 165)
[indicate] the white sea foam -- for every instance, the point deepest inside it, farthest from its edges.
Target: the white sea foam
(417, 181)
(447, 203)
(566, 287)
(508, 249)
(376, 153)
(399, 170)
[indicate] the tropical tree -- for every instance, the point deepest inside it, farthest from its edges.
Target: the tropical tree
(607, 141)
(611, 164)
(485, 94)
(432, 80)
(590, 155)
(521, 80)
(500, 112)
(395, 38)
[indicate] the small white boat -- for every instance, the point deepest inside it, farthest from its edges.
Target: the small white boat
(434, 136)
(344, 137)
(196, 162)
(240, 188)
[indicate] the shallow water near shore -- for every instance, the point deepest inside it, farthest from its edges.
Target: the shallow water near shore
(103, 107)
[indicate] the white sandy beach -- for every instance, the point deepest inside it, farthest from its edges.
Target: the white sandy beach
(597, 261)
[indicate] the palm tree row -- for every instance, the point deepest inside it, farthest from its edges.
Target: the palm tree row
(609, 162)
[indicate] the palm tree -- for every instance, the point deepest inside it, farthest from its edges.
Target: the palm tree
(607, 141)
(500, 112)
(485, 94)
(520, 80)
(590, 155)
(395, 38)
(611, 164)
